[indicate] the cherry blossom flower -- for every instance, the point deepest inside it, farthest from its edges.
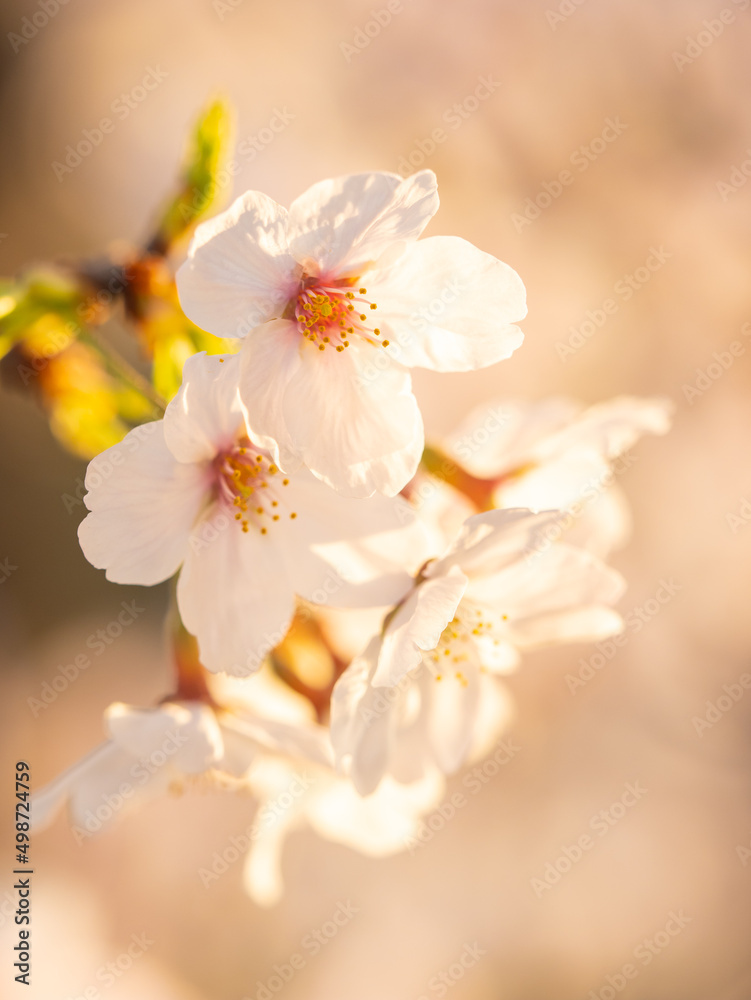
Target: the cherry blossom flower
(379, 826)
(153, 751)
(195, 490)
(415, 696)
(336, 299)
(557, 454)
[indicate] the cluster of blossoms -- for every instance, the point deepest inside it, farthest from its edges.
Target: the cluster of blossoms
(291, 478)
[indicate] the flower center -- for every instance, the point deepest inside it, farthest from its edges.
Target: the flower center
(248, 481)
(454, 645)
(331, 315)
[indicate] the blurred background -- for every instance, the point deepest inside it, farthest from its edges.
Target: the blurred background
(646, 104)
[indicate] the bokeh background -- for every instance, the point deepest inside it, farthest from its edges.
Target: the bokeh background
(555, 82)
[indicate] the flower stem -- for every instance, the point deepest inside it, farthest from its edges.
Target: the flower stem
(126, 371)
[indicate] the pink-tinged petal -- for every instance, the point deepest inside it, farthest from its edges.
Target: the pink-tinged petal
(417, 625)
(143, 507)
(239, 272)
(454, 705)
(346, 223)
(448, 306)
(355, 423)
(497, 539)
(233, 594)
(205, 415)
(269, 359)
(185, 735)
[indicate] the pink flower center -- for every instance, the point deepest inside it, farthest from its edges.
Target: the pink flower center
(330, 315)
(248, 481)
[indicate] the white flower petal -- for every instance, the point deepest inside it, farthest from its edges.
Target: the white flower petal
(239, 272)
(454, 707)
(91, 786)
(105, 766)
(356, 426)
(361, 722)
(574, 477)
(556, 578)
(309, 741)
(347, 223)
(448, 306)
(417, 625)
(143, 507)
(204, 416)
(380, 824)
(345, 552)
(614, 426)
(496, 539)
(262, 873)
(269, 359)
(186, 734)
(582, 624)
(500, 436)
(232, 594)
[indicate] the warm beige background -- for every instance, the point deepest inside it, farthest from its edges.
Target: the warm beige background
(654, 186)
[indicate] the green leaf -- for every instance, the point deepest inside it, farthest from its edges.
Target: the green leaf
(200, 185)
